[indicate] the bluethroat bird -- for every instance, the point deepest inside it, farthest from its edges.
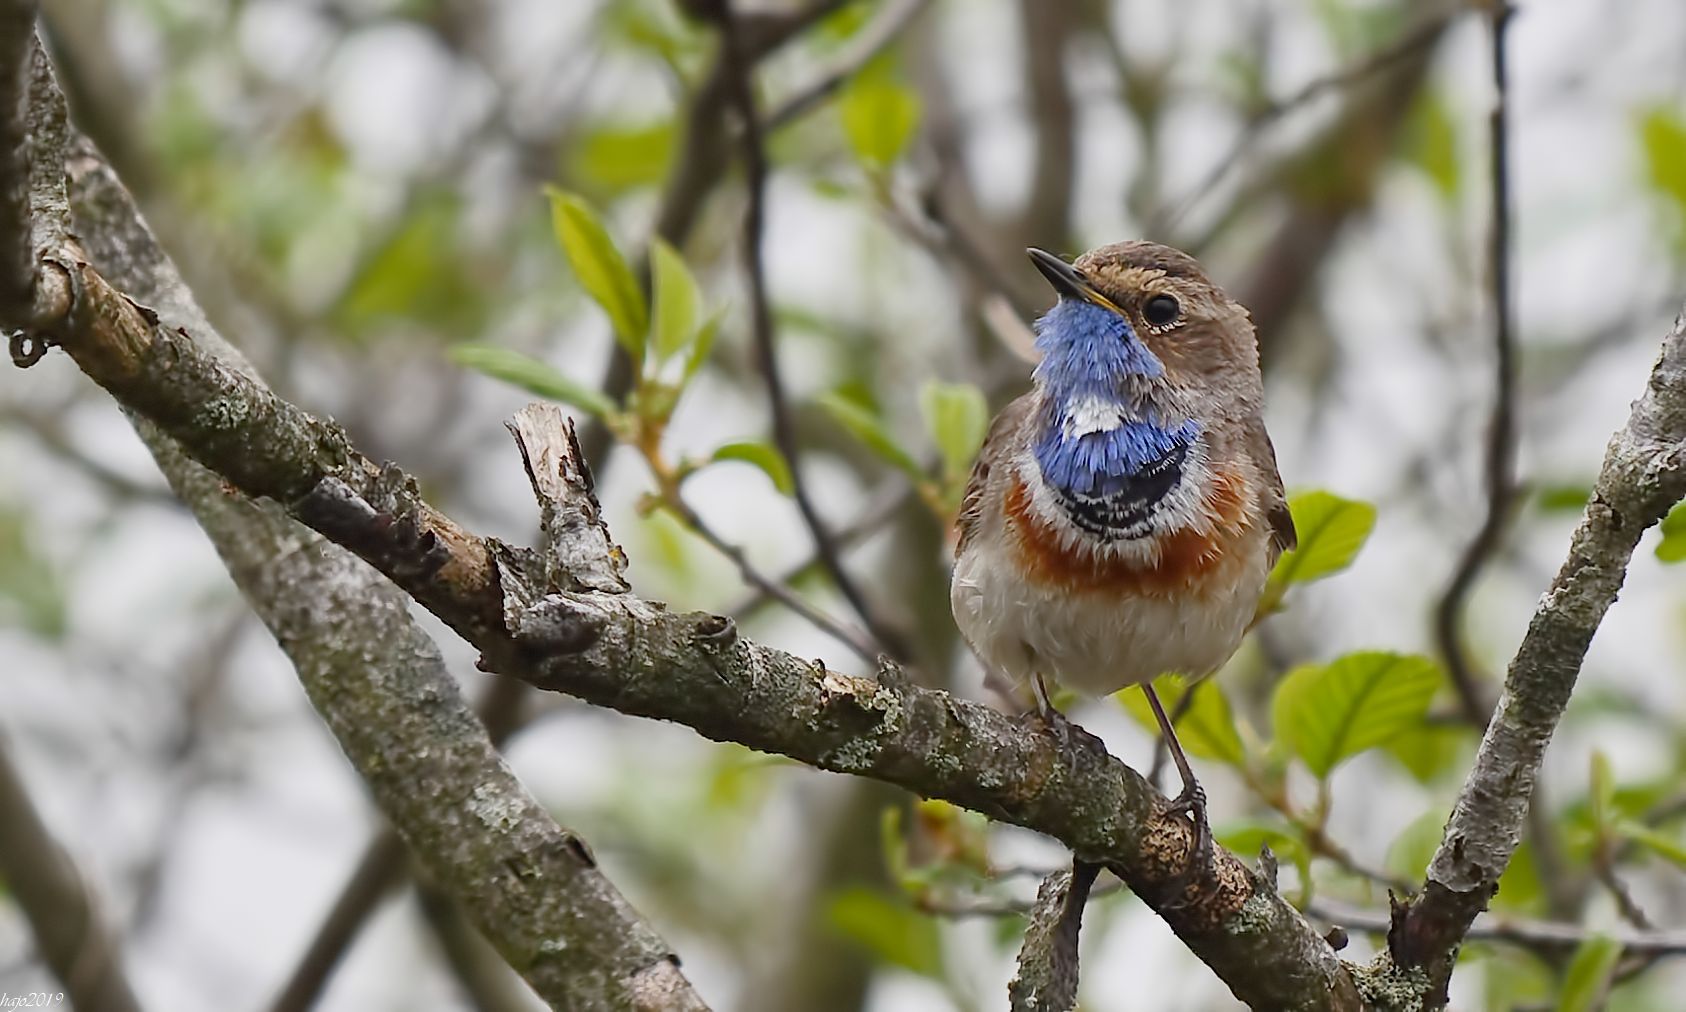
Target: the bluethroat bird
(1123, 515)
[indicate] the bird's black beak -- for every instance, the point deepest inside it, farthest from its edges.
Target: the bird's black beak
(1064, 277)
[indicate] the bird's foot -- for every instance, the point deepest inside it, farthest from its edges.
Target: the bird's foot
(1191, 802)
(1069, 737)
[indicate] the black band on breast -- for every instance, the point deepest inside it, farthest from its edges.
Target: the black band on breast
(1124, 514)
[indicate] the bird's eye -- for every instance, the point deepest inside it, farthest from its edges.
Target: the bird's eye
(1160, 310)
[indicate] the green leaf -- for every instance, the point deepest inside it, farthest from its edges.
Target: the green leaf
(1563, 498)
(869, 429)
(1428, 750)
(532, 376)
(894, 933)
(701, 346)
(957, 416)
(1588, 976)
(1414, 847)
(31, 594)
(1431, 142)
(1601, 790)
(879, 115)
(1329, 713)
(1662, 135)
(677, 301)
(614, 156)
(1672, 548)
(762, 455)
(1250, 836)
(417, 274)
(1521, 889)
(1331, 531)
(601, 269)
(1514, 978)
(1206, 731)
(1664, 846)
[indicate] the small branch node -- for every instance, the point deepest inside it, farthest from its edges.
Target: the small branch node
(28, 347)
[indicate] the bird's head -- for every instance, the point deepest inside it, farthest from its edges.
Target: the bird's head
(1147, 367)
(1139, 320)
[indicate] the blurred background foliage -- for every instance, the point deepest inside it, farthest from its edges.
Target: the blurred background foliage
(416, 214)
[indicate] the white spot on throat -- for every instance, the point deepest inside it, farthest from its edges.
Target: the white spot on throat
(1092, 414)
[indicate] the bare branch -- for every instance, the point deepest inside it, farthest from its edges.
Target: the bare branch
(70, 933)
(1411, 45)
(381, 869)
(620, 651)
(1501, 427)
(1047, 975)
(739, 67)
(1644, 474)
(886, 25)
(1542, 936)
(17, 253)
(376, 678)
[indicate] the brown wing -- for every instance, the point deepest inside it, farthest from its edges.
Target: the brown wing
(1283, 537)
(997, 443)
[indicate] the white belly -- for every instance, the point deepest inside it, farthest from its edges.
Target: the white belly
(1098, 643)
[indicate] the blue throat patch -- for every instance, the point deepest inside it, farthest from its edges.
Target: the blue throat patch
(1108, 481)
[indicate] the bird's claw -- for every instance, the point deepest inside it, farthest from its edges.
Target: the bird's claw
(1192, 802)
(1069, 736)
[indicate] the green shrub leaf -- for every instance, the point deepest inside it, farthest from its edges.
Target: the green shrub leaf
(870, 430)
(1588, 976)
(957, 416)
(1248, 837)
(762, 455)
(1411, 851)
(1207, 730)
(532, 376)
(678, 303)
(879, 115)
(700, 347)
(1659, 843)
(1329, 713)
(1331, 531)
(1672, 548)
(601, 269)
(893, 932)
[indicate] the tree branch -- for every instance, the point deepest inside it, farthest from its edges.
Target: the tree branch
(1540, 936)
(72, 937)
(375, 677)
(739, 68)
(1501, 427)
(1046, 980)
(1644, 474)
(632, 655)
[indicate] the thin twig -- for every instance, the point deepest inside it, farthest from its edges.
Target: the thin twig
(775, 589)
(1406, 46)
(70, 933)
(1501, 427)
(871, 521)
(740, 67)
(879, 33)
(992, 906)
(1604, 868)
(698, 165)
(1552, 936)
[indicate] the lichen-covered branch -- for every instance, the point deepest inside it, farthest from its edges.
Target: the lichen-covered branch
(378, 681)
(635, 656)
(1644, 474)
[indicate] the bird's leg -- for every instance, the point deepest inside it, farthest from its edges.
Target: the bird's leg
(1192, 800)
(1068, 735)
